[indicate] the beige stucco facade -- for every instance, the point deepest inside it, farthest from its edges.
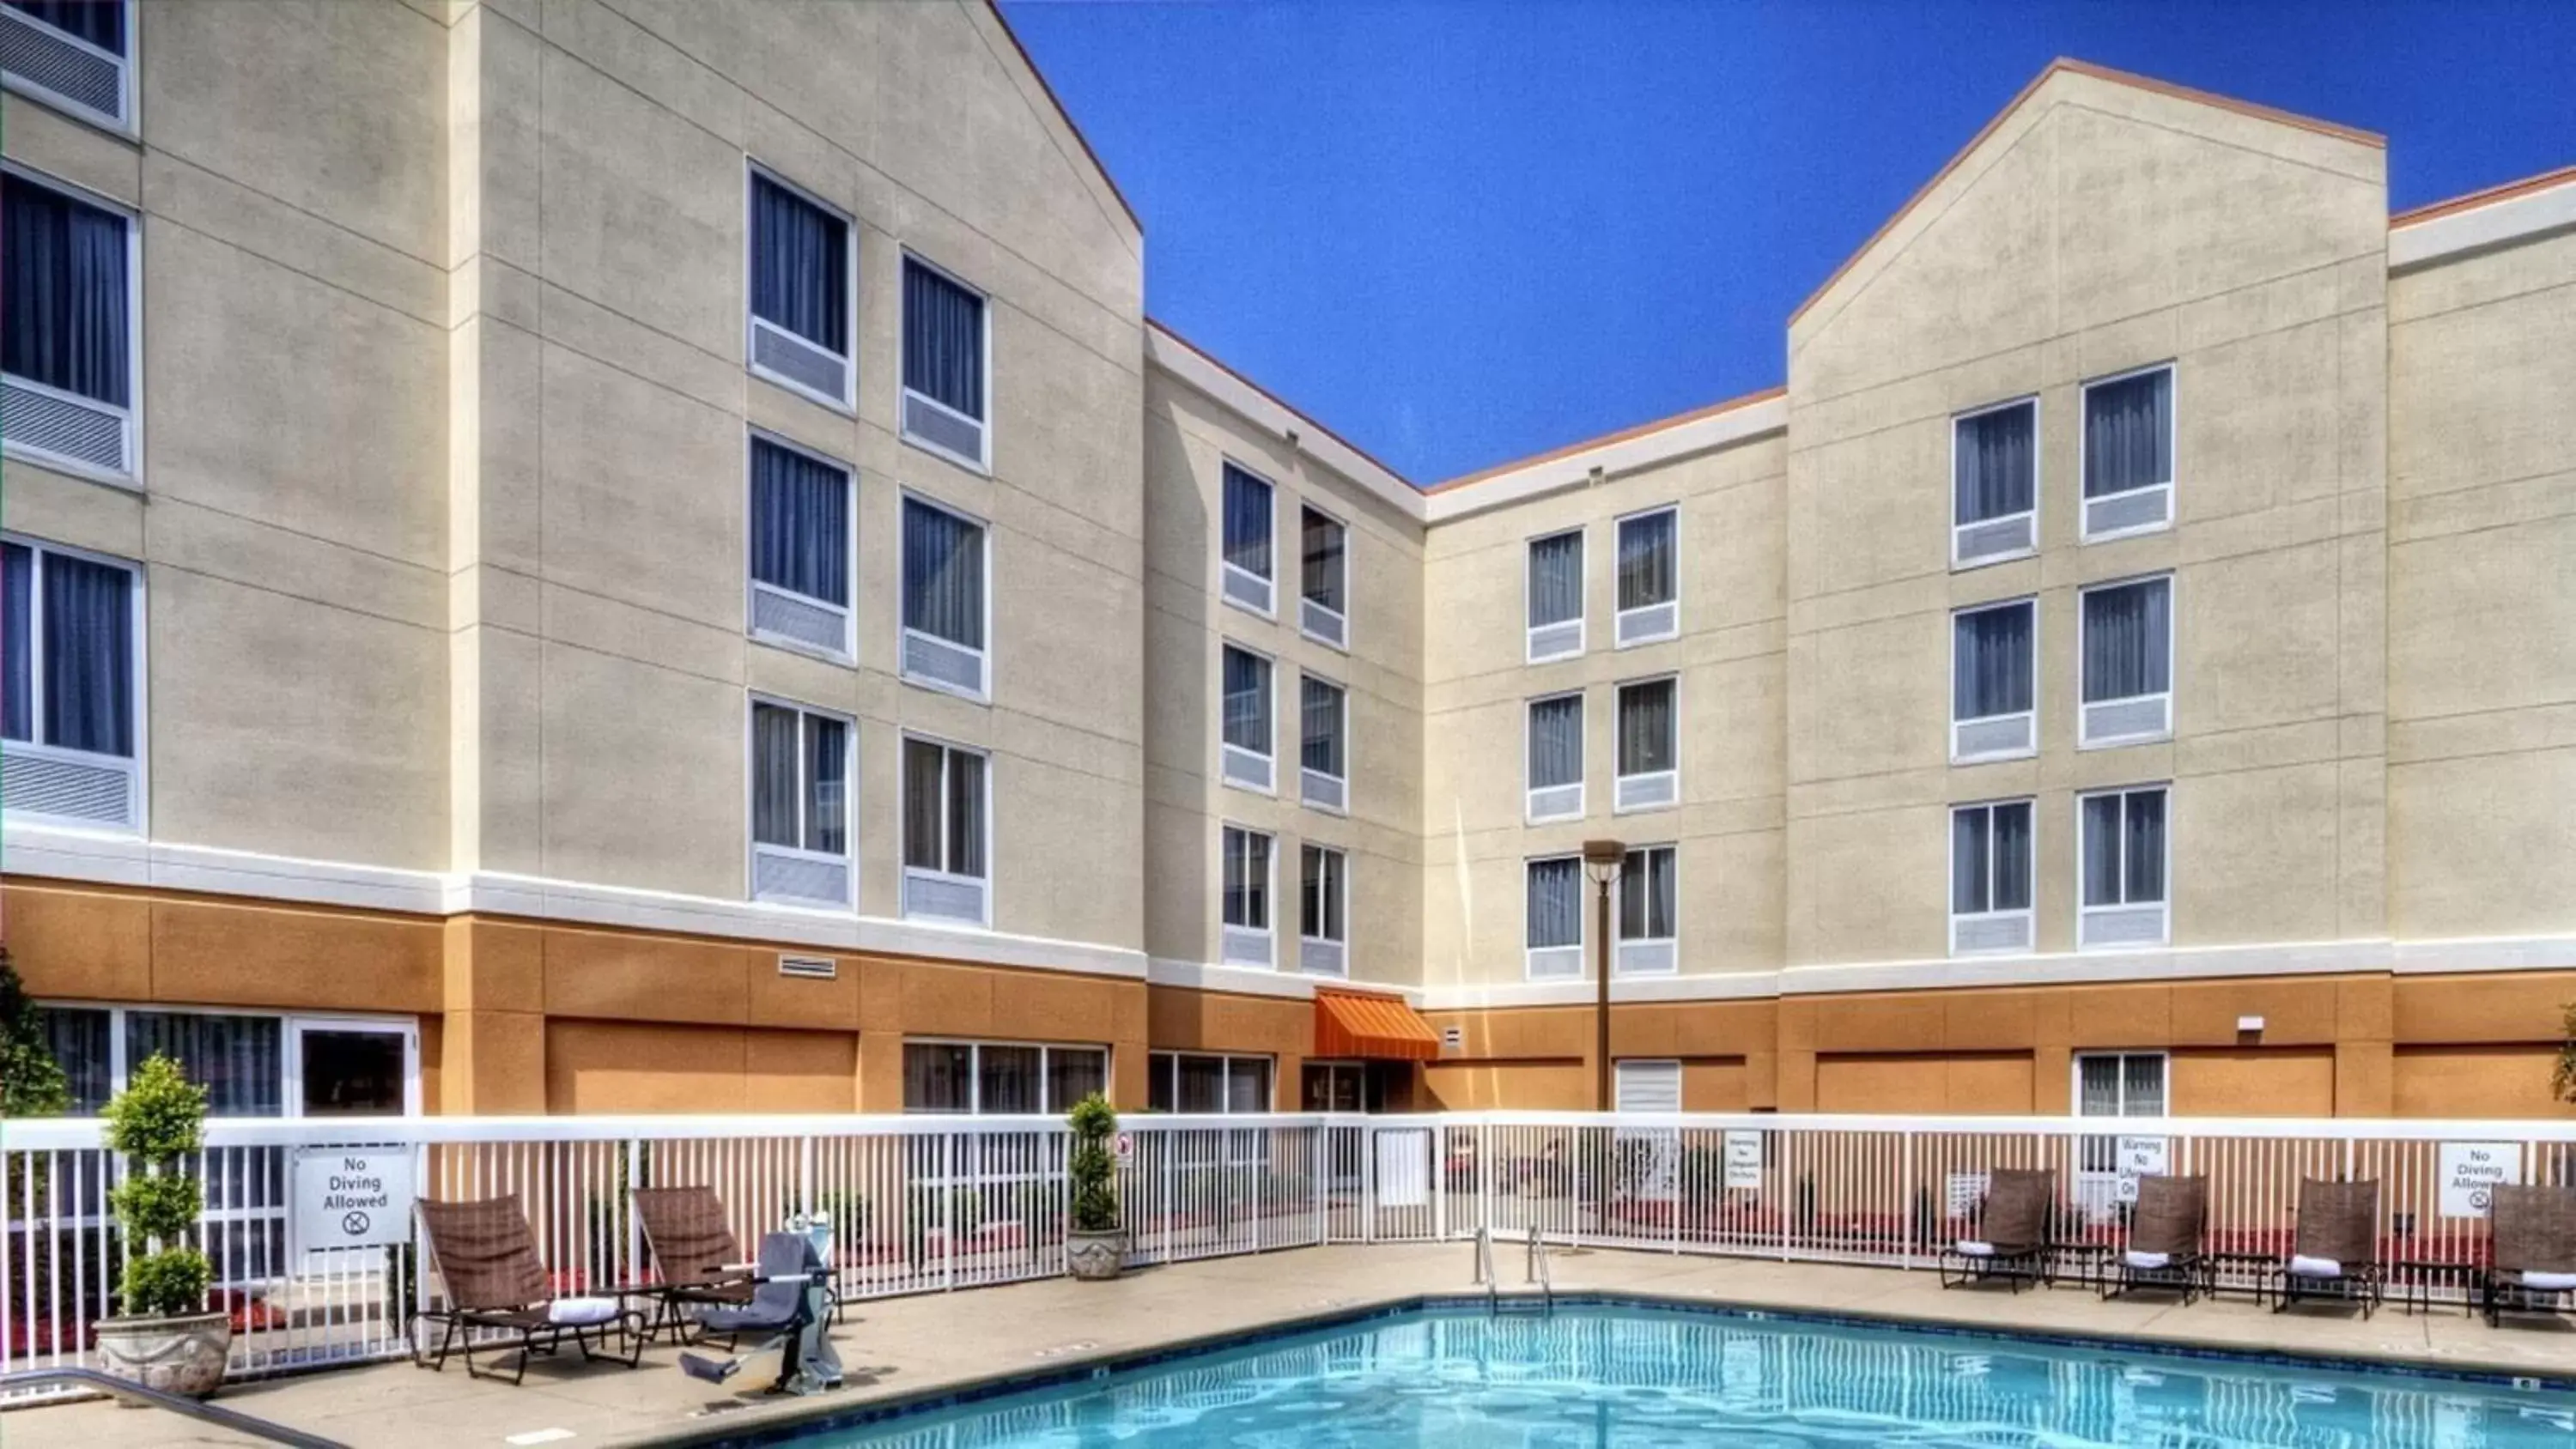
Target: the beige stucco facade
(442, 521)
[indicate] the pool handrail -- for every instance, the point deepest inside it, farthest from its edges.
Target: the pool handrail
(233, 1419)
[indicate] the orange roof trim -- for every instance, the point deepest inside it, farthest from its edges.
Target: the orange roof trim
(1362, 1024)
(1606, 439)
(2488, 197)
(1070, 123)
(1174, 333)
(2097, 72)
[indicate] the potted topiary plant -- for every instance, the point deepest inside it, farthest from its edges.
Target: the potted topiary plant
(1096, 1247)
(164, 1339)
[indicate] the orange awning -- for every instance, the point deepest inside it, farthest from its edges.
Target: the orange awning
(1358, 1024)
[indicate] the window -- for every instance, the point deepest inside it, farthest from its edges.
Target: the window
(68, 351)
(2115, 1084)
(1246, 749)
(803, 290)
(1649, 578)
(946, 603)
(1323, 720)
(1555, 758)
(1555, 590)
(998, 1078)
(1322, 606)
(1198, 1082)
(947, 825)
(801, 557)
(2127, 651)
(800, 809)
(1247, 896)
(1246, 563)
(1649, 747)
(1323, 901)
(1990, 865)
(2123, 868)
(1552, 921)
(946, 346)
(1994, 483)
(1994, 669)
(74, 54)
(2128, 453)
(1649, 903)
(71, 683)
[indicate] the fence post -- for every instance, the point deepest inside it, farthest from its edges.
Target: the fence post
(805, 1174)
(947, 1211)
(1440, 1183)
(1905, 1195)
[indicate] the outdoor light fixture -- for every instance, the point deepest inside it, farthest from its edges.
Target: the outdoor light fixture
(1603, 860)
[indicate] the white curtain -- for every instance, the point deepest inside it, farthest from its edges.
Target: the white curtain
(1556, 742)
(1319, 716)
(1555, 903)
(1646, 744)
(1247, 701)
(2128, 434)
(943, 574)
(1992, 661)
(1247, 522)
(1555, 579)
(2128, 640)
(1647, 902)
(1992, 454)
(1648, 560)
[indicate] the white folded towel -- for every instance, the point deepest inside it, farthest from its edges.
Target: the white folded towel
(581, 1312)
(2553, 1282)
(2307, 1267)
(2149, 1261)
(1971, 1248)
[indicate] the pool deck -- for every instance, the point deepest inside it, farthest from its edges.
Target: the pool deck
(902, 1347)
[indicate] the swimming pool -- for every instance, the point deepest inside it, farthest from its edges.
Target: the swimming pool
(1619, 1377)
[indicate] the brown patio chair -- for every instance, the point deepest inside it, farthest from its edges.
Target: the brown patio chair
(496, 1285)
(2335, 1250)
(2012, 1227)
(2165, 1231)
(2532, 1265)
(696, 1256)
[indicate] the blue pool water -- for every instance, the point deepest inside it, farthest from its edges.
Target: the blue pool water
(1636, 1378)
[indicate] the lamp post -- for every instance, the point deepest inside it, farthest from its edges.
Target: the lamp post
(1603, 860)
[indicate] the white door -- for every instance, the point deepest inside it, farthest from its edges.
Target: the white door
(1648, 1159)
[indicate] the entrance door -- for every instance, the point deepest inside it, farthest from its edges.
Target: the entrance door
(353, 1069)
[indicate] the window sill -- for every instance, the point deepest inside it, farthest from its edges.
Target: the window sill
(847, 408)
(845, 658)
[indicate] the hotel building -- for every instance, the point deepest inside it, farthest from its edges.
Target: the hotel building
(635, 556)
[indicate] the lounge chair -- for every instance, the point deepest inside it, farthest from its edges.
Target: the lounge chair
(2164, 1238)
(2532, 1231)
(2012, 1228)
(696, 1257)
(496, 1283)
(2335, 1252)
(789, 1298)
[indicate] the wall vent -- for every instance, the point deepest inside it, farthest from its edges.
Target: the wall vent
(820, 968)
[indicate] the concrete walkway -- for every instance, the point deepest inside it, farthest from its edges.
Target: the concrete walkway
(897, 1348)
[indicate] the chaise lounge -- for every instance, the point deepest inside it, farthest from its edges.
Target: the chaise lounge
(2533, 1263)
(2165, 1231)
(2012, 1228)
(697, 1260)
(2335, 1252)
(496, 1284)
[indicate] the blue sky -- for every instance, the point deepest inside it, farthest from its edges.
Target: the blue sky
(1462, 231)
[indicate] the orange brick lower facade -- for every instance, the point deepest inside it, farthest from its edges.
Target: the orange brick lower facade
(526, 1017)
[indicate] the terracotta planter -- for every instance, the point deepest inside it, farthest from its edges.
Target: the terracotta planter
(1095, 1257)
(180, 1355)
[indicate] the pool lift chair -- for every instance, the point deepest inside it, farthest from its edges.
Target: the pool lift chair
(790, 1303)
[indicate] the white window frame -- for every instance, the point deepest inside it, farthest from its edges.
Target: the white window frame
(1530, 955)
(903, 822)
(2084, 452)
(1228, 752)
(2029, 718)
(291, 1028)
(128, 122)
(1236, 944)
(138, 770)
(753, 588)
(2075, 1083)
(1530, 813)
(2085, 739)
(1326, 956)
(975, 1046)
(2085, 914)
(754, 847)
(132, 412)
(1652, 955)
(1670, 629)
(1583, 556)
(2038, 487)
(1336, 798)
(1229, 573)
(1338, 637)
(1672, 777)
(848, 402)
(1170, 1060)
(2026, 918)
(983, 462)
(904, 633)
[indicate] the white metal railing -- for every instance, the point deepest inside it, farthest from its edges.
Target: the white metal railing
(924, 1204)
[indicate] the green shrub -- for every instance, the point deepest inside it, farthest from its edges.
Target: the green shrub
(156, 1122)
(1092, 1168)
(2563, 1080)
(31, 1081)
